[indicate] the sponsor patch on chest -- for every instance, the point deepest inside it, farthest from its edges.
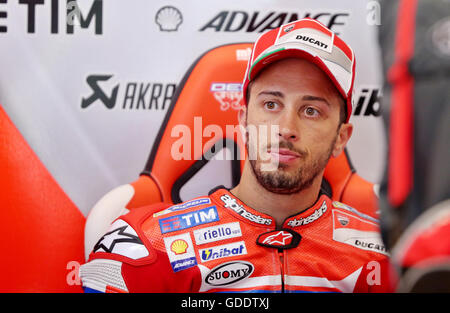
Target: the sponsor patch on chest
(310, 218)
(223, 251)
(188, 220)
(229, 273)
(279, 239)
(180, 251)
(216, 233)
(357, 232)
(183, 206)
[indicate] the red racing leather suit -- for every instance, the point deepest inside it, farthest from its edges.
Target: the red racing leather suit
(217, 243)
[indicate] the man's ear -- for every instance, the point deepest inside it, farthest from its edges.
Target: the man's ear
(344, 134)
(242, 116)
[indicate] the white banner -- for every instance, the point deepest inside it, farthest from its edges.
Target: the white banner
(88, 82)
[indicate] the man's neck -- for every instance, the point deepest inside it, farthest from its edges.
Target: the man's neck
(279, 206)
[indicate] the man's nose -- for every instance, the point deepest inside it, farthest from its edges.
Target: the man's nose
(288, 126)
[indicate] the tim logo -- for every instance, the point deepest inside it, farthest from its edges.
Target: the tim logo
(58, 13)
(188, 220)
(98, 94)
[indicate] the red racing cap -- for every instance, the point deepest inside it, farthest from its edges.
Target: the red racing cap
(310, 40)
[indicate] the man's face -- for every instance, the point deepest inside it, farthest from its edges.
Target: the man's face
(295, 96)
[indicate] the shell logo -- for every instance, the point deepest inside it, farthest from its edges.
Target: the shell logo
(168, 18)
(179, 246)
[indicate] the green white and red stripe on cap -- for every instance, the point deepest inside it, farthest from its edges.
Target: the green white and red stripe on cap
(311, 40)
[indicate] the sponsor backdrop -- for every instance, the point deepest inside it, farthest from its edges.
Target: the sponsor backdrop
(86, 84)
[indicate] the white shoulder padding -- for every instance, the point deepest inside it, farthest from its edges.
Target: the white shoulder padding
(105, 211)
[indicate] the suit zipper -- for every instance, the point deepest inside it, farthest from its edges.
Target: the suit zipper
(281, 258)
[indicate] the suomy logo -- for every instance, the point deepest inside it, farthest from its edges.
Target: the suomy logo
(229, 273)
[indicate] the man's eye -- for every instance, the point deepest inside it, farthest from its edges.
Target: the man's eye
(309, 111)
(270, 105)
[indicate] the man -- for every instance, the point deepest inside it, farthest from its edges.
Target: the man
(275, 231)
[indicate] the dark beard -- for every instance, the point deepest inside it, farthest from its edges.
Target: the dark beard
(280, 182)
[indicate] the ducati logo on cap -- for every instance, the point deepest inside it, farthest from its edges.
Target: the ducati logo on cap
(279, 239)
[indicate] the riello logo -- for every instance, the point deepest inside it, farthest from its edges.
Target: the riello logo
(241, 21)
(129, 95)
(61, 13)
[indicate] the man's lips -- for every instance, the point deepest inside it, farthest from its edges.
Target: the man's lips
(284, 155)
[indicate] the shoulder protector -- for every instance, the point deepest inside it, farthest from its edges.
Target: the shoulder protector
(125, 241)
(356, 229)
